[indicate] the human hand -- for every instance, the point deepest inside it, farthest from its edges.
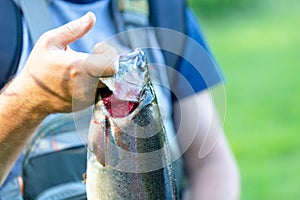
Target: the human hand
(53, 69)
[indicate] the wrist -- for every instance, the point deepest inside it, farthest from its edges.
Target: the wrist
(23, 103)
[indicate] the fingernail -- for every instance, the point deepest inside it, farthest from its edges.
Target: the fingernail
(87, 17)
(115, 66)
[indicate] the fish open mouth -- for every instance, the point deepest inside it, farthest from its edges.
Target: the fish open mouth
(116, 107)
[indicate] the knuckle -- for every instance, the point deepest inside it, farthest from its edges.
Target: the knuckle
(110, 50)
(70, 29)
(97, 49)
(74, 64)
(46, 38)
(74, 73)
(100, 48)
(105, 49)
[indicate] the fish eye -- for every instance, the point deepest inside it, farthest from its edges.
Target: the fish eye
(141, 62)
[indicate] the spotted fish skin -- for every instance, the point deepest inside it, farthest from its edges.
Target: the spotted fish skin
(128, 152)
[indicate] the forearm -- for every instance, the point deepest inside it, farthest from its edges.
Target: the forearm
(19, 116)
(216, 176)
(211, 169)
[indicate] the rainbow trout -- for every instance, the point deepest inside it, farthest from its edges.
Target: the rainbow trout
(128, 152)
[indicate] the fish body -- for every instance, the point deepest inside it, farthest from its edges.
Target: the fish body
(128, 152)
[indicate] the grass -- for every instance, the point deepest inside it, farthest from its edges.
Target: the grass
(260, 55)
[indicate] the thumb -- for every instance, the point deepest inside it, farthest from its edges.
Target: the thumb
(70, 32)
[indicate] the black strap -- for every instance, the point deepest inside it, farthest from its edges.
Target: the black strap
(11, 38)
(169, 14)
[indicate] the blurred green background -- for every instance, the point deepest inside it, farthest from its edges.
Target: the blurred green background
(257, 44)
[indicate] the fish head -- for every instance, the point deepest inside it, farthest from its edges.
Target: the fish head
(129, 82)
(125, 89)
